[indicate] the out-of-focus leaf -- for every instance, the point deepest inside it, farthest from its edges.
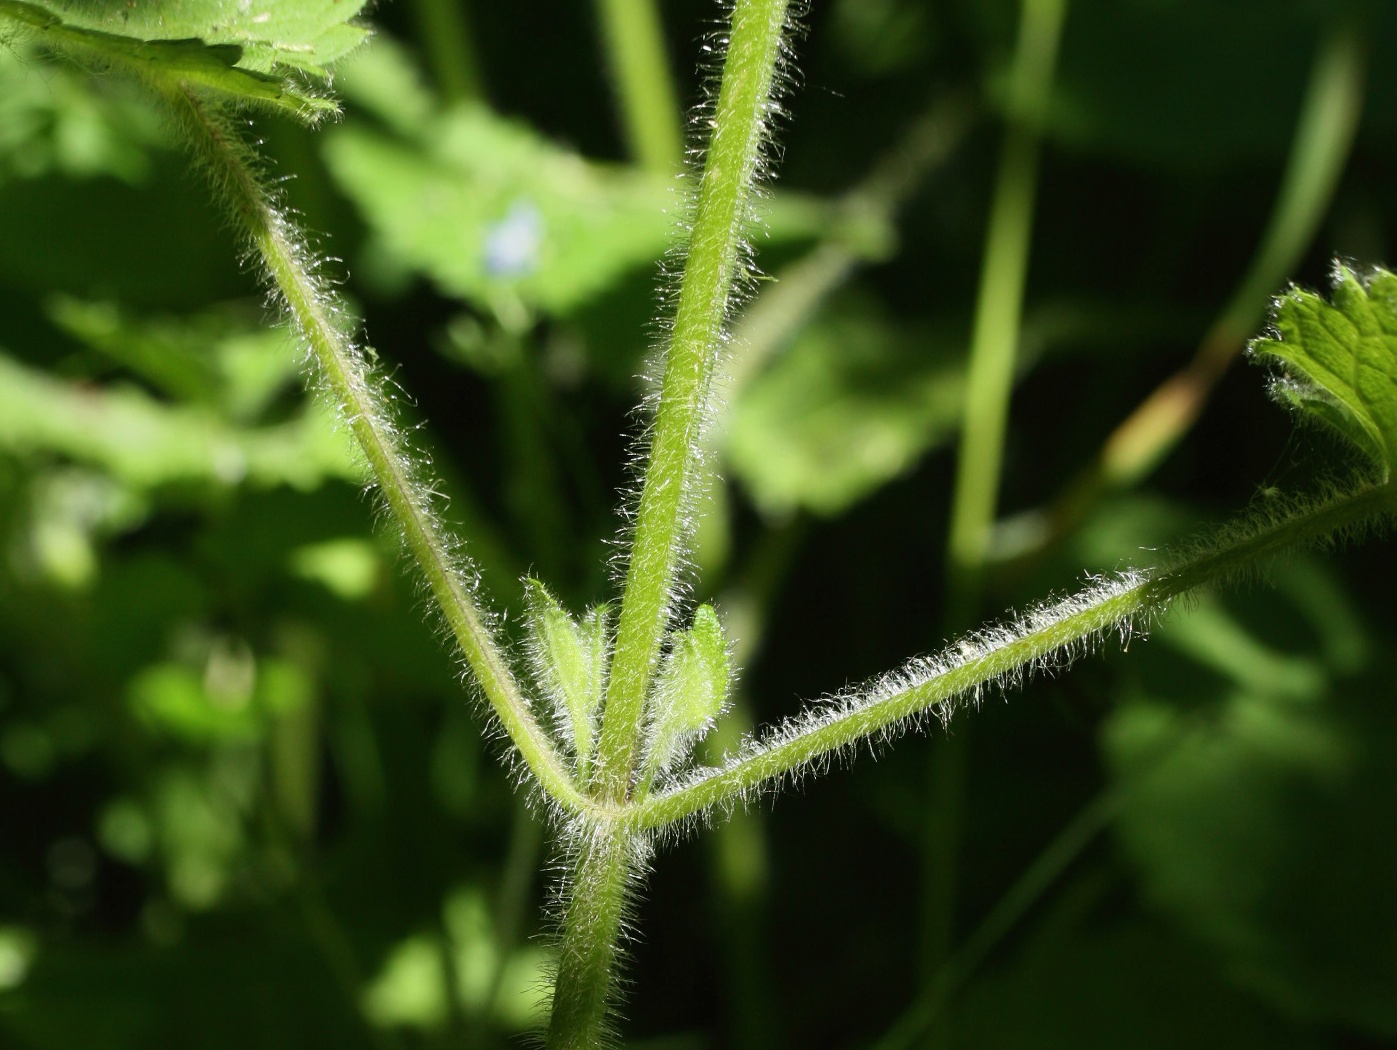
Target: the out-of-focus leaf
(1340, 360)
(199, 827)
(234, 698)
(494, 213)
(516, 979)
(221, 358)
(415, 985)
(57, 121)
(383, 79)
(410, 991)
(147, 444)
(1132, 985)
(852, 404)
(349, 568)
(300, 34)
(490, 210)
(207, 48)
(68, 509)
(17, 948)
(1215, 639)
(1265, 832)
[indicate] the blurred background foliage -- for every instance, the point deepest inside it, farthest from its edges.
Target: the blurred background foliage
(245, 798)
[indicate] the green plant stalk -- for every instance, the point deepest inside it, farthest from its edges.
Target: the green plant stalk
(711, 270)
(1319, 152)
(444, 29)
(1323, 139)
(1004, 655)
(999, 310)
(232, 170)
(644, 86)
(989, 383)
(585, 987)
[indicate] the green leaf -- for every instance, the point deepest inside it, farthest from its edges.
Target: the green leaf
(67, 122)
(208, 707)
(569, 662)
(241, 50)
(146, 443)
(852, 404)
(1264, 832)
(493, 213)
(689, 691)
(382, 79)
(1339, 360)
(305, 35)
(220, 357)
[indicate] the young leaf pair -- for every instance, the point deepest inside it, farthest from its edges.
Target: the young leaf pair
(570, 660)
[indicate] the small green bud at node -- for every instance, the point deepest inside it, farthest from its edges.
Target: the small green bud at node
(690, 690)
(569, 662)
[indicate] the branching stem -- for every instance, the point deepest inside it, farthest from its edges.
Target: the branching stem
(1061, 628)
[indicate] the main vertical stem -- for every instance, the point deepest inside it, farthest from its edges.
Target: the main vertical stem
(607, 855)
(583, 993)
(711, 269)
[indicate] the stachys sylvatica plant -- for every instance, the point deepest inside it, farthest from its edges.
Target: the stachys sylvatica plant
(605, 710)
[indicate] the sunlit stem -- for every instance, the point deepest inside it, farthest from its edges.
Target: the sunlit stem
(711, 270)
(238, 186)
(1096, 612)
(999, 308)
(1319, 152)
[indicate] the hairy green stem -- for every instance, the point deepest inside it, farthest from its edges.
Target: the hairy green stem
(238, 185)
(711, 270)
(1004, 655)
(585, 986)
(635, 42)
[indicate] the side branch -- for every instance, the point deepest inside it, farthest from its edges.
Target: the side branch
(232, 169)
(1047, 638)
